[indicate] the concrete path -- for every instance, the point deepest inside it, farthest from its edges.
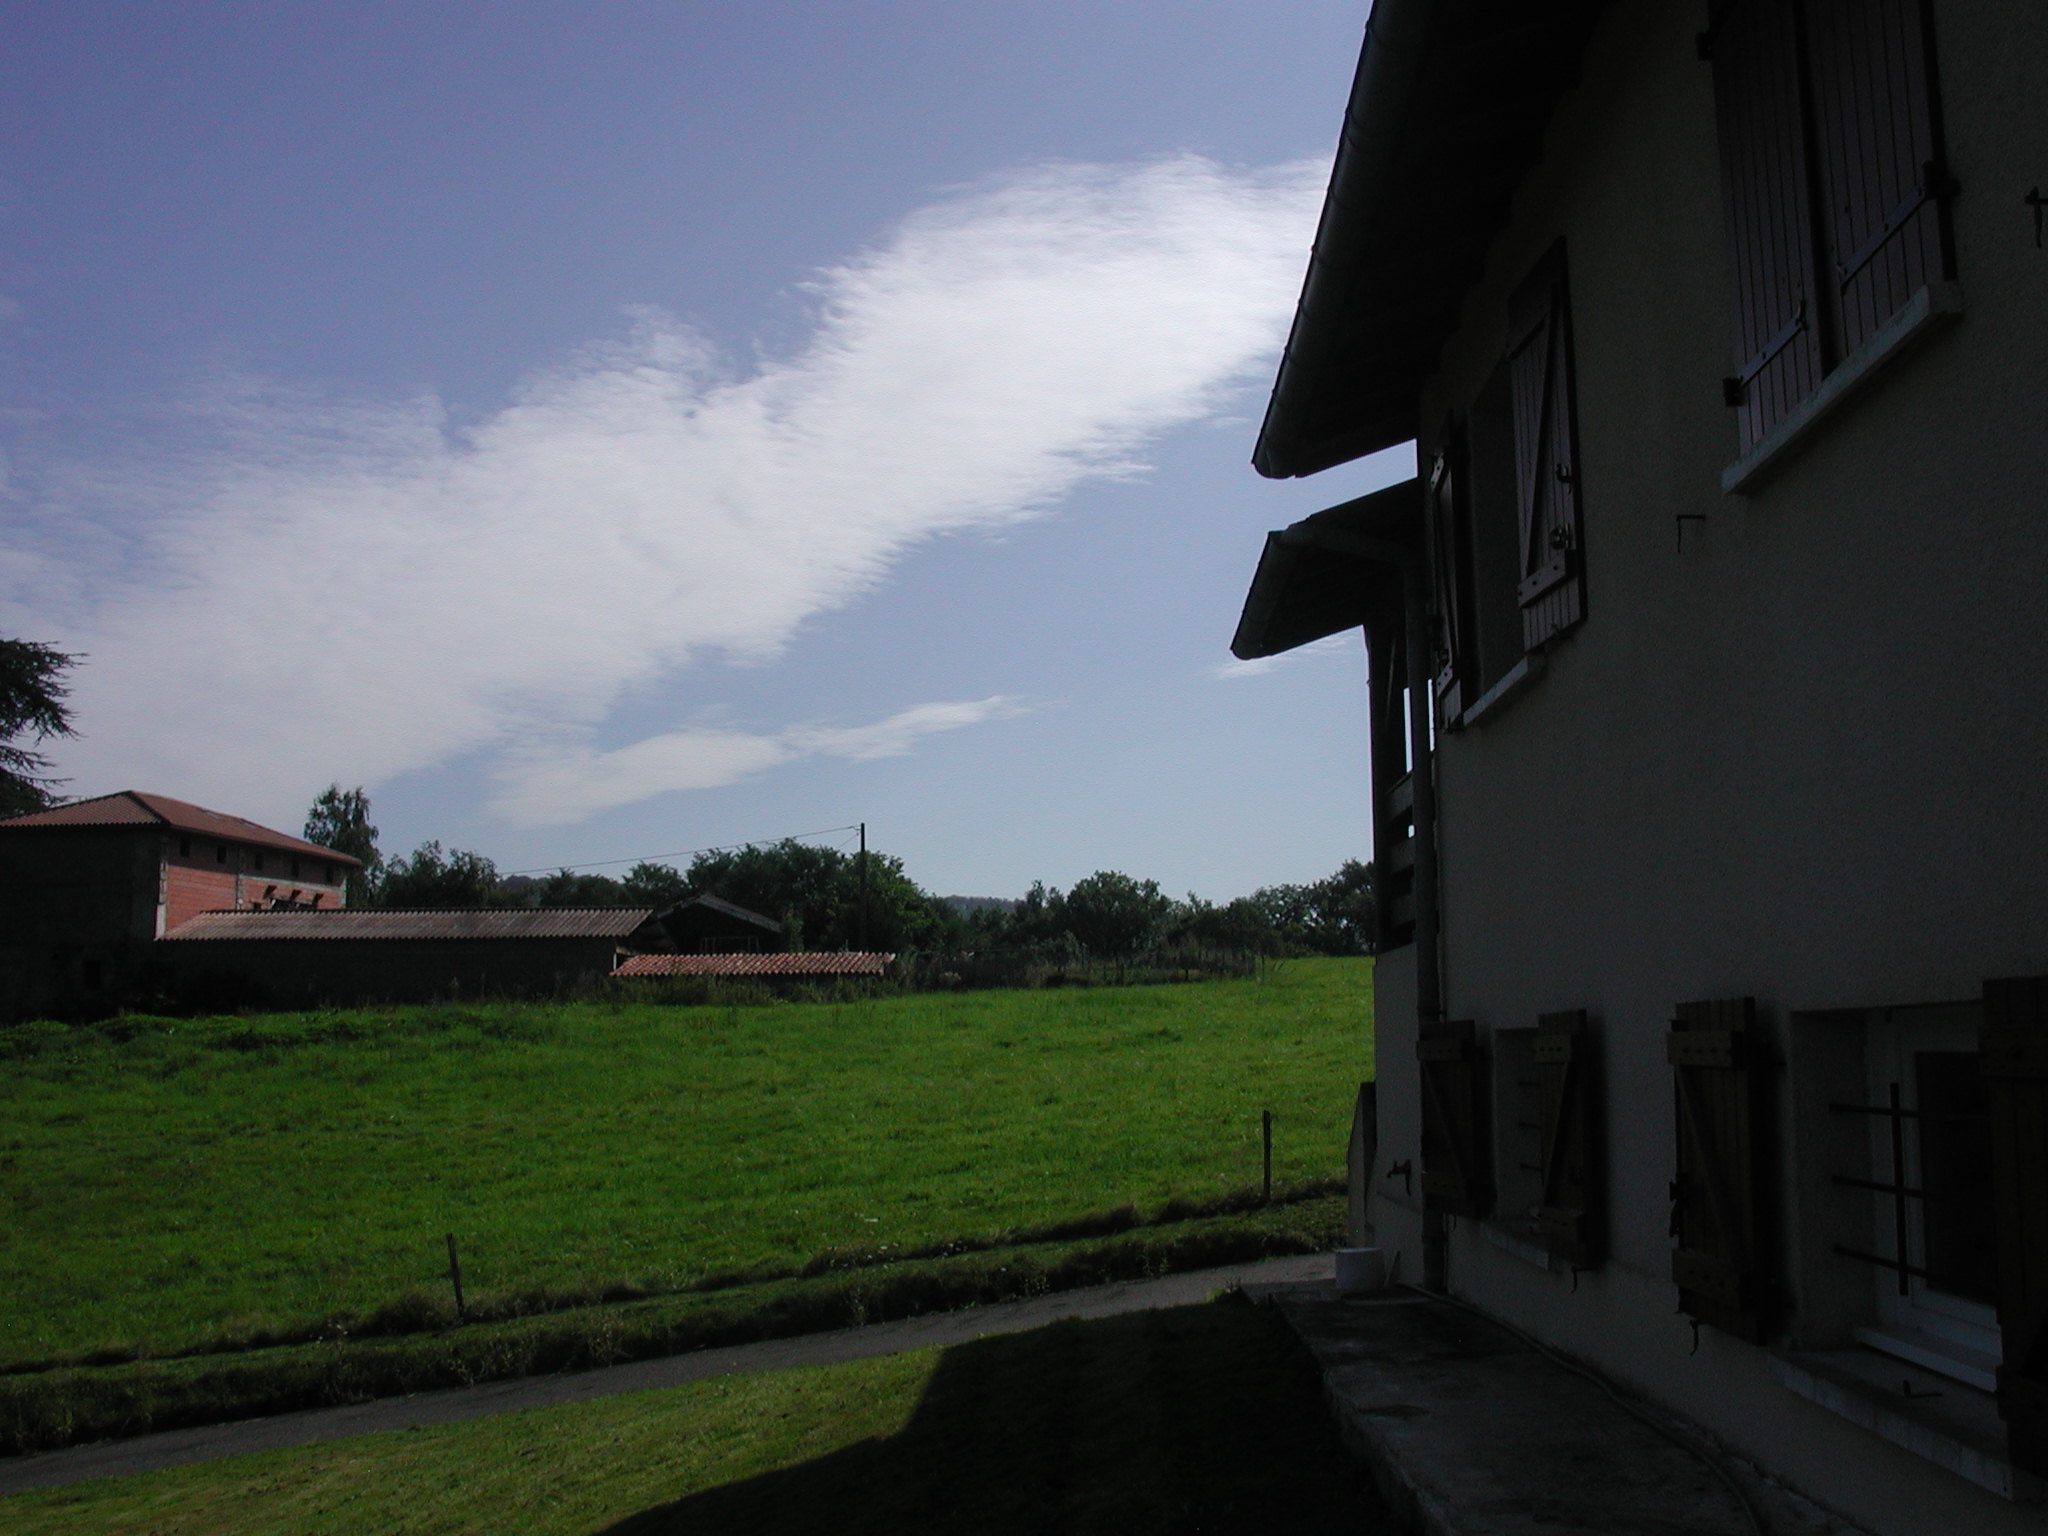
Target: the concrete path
(1471, 1431)
(176, 1447)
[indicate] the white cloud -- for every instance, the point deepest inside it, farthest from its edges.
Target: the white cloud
(309, 589)
(1231, 670)
(544, 787)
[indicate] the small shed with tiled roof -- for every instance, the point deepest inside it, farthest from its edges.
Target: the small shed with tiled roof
(818, 965)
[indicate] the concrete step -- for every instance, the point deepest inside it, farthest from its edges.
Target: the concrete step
(1471, 1430)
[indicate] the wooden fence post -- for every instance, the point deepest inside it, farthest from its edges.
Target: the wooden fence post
(455, 1276)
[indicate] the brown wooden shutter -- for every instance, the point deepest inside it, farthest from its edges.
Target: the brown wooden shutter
(1719, 1196)
(1570, 1214)
(1759, 103)
(1457, 1169)
(2014, 1043)
(1883, 190)
(1551, 588)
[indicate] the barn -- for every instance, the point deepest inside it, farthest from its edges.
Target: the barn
(87, 888)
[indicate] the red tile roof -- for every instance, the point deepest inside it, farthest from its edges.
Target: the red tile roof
(378, 924)
(133, 808)
(823, 963)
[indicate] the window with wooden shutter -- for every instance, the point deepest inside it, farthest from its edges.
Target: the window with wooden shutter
(1570, 1213)
(1456, 1163)
(1451, 574)
(1833, 184)
(2014, 1046)
(1551, 589)
(1719, 1197)
(1393, 792)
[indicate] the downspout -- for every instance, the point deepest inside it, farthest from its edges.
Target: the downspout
(1429, 1005)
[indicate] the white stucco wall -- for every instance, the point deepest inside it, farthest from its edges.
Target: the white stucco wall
(1805, 756)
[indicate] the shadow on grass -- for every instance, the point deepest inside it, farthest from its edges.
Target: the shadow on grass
(1199, 1419)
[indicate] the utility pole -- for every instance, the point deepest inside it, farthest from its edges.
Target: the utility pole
(863, 886)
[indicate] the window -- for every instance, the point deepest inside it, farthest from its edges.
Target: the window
(258, 860)
(1923, 1132)
(1935, 1252)
(220, 853)
(1504, 506)
(1834, 188)
(1551, 1187)
(184, 847)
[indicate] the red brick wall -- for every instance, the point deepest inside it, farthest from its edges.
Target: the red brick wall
(201, 875)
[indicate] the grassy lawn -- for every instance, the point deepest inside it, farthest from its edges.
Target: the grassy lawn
(214, 1179)
(1198, 1419)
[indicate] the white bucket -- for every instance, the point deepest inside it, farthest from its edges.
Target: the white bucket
(1360, 1270)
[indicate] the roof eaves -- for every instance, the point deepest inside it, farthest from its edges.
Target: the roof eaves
(1444, 120)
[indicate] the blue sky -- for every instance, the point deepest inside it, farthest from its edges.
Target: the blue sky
(608, 429)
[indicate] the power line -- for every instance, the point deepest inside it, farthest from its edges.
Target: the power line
(685, 853)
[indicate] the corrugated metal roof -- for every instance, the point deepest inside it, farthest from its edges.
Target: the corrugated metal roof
(363, 925)
(133, 808)
(727, 908)
(824, 963)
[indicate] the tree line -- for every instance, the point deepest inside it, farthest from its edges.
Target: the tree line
(826, 901)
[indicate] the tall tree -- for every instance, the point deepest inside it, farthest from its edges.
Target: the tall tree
(816, 893)
(340, 819)
(32, 694)
(1111, 913)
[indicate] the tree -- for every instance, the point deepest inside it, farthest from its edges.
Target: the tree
(433, 879)
(1110, 913)
(816, 894)
(32, 694)
(659, 886)
(340, 819)
(568, 888)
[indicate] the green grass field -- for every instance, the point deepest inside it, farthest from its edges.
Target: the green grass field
(203, 1181)
(1197, 1419)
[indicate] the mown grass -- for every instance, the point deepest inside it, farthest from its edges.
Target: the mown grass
(42, 1410)
(170, 1186)
(1196, 1419)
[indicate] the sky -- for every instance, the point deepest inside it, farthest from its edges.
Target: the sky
(606, 430)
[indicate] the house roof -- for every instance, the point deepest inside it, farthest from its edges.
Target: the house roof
(1446, 117)
(1305, 589)
(725, 908)
(824, 963)
(134, 808)
(360, 924)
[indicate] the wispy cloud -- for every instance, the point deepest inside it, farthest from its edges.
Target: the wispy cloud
(308, 588)
(1233, 669)
(543, 786)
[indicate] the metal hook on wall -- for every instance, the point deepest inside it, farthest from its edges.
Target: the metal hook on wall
(1405, 1172)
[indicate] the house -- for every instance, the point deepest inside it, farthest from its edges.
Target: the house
(711, 925)
(301, 958)
(1707, 674)
(86, 888)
